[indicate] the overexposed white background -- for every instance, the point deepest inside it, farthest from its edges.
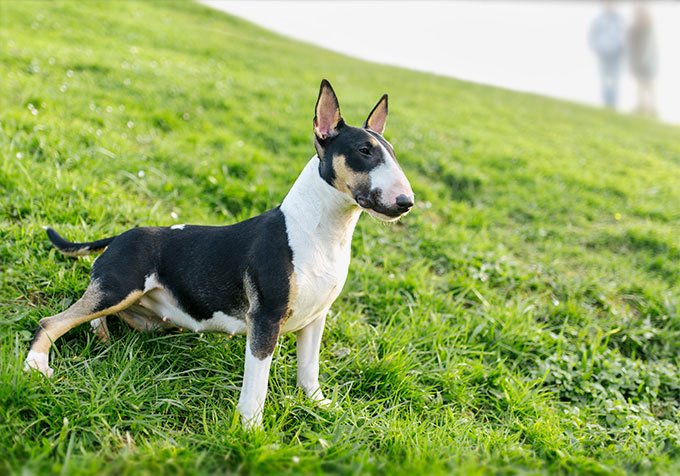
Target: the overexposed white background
(539, 47)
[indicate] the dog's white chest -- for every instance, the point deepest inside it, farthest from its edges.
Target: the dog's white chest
(320, 275)
(320, 221)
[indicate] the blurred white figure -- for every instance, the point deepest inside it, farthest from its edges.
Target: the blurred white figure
(607, 39)
(643, 58)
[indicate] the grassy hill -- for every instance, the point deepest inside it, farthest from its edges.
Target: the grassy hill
(524, 317)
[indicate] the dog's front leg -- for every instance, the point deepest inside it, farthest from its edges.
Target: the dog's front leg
(308, 346)
(260, 345)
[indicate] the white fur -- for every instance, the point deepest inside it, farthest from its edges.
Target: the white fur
(100, 329)
(221, 322)
(389, 179)
(308, 345)
(254, 389)
(178, 227)
(320, 221)
(38, 361)
(151, 282)
(96, 323)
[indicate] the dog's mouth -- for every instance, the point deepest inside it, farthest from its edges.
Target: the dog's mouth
(371, 203)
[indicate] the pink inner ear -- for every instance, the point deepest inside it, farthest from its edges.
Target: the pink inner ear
(327, 115)
(322, 128)
(378, 119)
(377, 122)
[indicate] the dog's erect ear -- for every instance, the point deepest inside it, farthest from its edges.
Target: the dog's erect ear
(327, 118)
(378, 117)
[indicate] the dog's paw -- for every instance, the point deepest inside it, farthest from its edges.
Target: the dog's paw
(324, 403)
(38, 361)
(251, 416)
(251, 422)
(317, 397)
(327, 404)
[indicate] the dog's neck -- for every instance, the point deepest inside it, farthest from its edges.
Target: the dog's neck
(319, 210)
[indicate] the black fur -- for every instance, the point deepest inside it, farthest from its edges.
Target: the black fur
(204, 268)
(350, 142)
(66, 246)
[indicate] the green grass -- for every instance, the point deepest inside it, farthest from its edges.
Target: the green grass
(524, 317)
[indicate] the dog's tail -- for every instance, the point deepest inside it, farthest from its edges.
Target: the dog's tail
(67, 248)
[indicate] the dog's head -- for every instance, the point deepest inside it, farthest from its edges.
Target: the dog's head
(358, 161)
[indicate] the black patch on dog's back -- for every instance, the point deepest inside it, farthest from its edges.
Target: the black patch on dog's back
(203, 267)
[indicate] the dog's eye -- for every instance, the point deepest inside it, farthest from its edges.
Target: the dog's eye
(365, 151)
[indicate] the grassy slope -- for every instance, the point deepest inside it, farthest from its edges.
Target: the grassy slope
(523, 316)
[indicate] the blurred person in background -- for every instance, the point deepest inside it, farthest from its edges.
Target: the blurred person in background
(607, 39)
(643, 57)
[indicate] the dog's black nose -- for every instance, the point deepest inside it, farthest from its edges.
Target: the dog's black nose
(404, 202)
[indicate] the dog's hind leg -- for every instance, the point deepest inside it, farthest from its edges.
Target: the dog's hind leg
(94, 303)
(137, 322)
(144, 320)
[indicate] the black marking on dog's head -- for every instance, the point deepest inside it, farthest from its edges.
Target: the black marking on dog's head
(348, 156)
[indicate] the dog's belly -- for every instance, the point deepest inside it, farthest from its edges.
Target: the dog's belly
(163, 304)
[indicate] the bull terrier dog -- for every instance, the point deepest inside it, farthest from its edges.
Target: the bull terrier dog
(275, 273)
